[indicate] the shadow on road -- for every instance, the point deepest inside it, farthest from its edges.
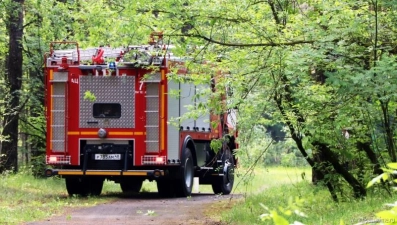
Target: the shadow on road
(149, 195)
(144, 196)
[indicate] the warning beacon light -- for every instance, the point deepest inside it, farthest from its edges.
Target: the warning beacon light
(112, 65)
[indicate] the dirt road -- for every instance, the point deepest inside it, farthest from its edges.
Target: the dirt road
(148, 209)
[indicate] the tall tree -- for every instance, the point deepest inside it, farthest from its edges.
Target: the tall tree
(320, 64)
(14, 81)
(321, 67)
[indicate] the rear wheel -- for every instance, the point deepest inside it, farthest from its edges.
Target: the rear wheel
(131, 186)
(185, 183)
(84, 187)
(224, 184)
(165, 188)
(73, 186)
(95, 185)
(77, 186)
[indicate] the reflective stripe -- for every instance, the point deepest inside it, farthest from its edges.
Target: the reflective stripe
(106, 173)
(89, 133)
(113, 173)
(163, 123)
(135, 173)
(110, 133)
(120, 133)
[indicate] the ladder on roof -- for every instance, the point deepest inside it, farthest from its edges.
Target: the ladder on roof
(86, 54)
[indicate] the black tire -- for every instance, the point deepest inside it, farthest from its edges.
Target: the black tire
(166, 188)
(84, 187)
(77, 186)
(73, 186)
(131, 186)
(96, 185)
(185, 182)
(224, 184)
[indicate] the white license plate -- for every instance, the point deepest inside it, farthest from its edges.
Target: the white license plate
(107, 156)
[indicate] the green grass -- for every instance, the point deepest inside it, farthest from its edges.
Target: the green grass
(260, 179)
(24, 198)
(253, 181)
(283, 187)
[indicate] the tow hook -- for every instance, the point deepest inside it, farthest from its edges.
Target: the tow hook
(156, 173)
(49, 173)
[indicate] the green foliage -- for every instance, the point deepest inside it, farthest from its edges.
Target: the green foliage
(316, 67)
(293, 207)
(216, 144)
(38, 166)
(387, 217)
(313, 205)
(88, 95)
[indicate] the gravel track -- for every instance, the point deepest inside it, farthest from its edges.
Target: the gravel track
(144, 209)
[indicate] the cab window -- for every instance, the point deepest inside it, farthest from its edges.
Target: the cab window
(106, 110)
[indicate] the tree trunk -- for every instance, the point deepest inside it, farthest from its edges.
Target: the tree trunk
(366, 147)
(389, 131)
(317, 175)
(298, 140)
(358, 188)
(14, 80)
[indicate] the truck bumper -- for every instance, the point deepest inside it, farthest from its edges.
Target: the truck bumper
(140, 173)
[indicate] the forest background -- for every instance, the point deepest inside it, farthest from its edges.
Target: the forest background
(315, 80)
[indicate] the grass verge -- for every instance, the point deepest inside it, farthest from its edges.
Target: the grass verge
(24, 198)
(284, 191)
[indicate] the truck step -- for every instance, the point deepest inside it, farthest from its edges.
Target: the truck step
(206, 168)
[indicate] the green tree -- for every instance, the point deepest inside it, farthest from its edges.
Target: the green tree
(317, 65)
(14, 24)
(325, 69)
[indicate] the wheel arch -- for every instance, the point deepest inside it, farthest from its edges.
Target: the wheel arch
(232, 145)
(188, 142)
(232, 141)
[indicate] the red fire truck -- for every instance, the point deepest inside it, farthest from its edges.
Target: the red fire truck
(108, 116)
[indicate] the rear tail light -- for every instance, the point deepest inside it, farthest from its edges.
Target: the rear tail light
(52, 159)
(160, 160)
(58, 159)
(153, 160)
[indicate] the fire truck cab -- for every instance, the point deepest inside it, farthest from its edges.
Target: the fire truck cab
(108, 114)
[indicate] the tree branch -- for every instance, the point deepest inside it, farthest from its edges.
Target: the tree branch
(270, 44)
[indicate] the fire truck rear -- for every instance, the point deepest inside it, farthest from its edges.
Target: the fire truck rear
(108, 117)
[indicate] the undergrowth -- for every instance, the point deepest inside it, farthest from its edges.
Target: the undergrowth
(302, 202)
